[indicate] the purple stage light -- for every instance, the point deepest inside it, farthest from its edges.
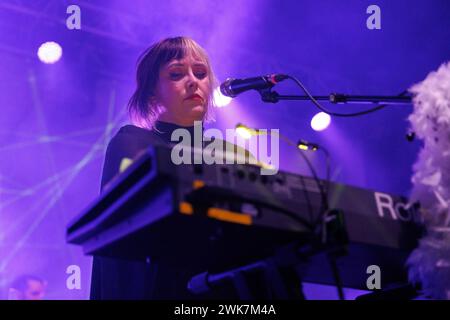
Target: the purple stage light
(320, 121)
(49, 52)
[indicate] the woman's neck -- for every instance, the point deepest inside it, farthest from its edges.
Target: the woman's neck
(179, 122)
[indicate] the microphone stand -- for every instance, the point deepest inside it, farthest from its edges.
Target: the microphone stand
(340, 238)
(267, 95)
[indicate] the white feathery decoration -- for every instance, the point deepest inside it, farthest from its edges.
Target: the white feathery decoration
(429, 263)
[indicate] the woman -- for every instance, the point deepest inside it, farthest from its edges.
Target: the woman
(175, 86)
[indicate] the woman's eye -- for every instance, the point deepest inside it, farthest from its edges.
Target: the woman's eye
(175, 75)
(200, 75)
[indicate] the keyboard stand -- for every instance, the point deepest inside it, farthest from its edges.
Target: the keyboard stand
(279, 280)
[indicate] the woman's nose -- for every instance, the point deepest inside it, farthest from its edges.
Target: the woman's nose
(192, 83)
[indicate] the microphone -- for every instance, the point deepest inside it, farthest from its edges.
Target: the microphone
(232, 87)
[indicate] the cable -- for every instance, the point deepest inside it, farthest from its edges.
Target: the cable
(323, 194)
(318, 105)
(323, 212)
(327, 181)
(337, 277)
(328, 169)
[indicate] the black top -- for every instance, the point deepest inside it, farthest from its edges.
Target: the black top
(130, 140)
(123, 279)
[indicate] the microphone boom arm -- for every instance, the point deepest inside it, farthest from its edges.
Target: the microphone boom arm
(268, 95)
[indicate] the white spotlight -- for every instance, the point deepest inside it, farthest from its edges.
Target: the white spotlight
(219, 99)
(320, 121)
(49, 52)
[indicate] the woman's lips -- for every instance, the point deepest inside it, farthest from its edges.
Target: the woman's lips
(195, 97)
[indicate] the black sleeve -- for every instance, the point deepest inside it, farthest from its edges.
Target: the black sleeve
(123, 145)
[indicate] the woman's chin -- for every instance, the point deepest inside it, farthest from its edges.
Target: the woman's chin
(198, 112)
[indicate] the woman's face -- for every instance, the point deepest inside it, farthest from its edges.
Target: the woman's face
(183, 89)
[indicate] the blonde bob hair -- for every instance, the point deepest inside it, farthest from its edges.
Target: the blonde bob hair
(142, 112)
